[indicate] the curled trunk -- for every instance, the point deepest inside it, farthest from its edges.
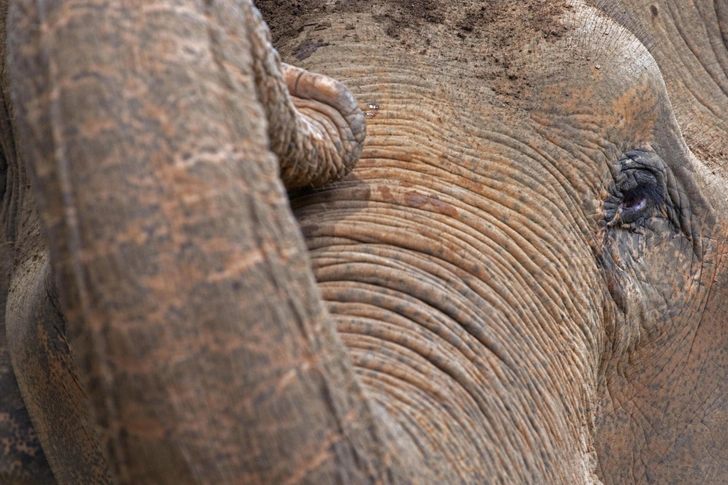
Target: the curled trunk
(191, 309)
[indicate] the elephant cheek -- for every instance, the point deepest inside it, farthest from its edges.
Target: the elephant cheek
(620, 336)
(46, 374)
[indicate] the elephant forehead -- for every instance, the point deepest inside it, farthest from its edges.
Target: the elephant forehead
(479, 59)
(601, 77)
(578, 89)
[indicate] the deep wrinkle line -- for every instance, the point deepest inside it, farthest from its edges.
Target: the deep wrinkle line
(477, 252)
(465, 327)
(445, 266)
(407, 409)
(467, 322)
(480, 209)
(439, 190)
(544, 160)
(562, 177)
(437, 333)
(554, 300)
(718, 49)
(434, 322)
(695, 52)
(405, 266)
(696, 57)
(499, 304)
(509, 269)
(495, 425)
(411, 358)
(419, 359)
(477, 212)
(478, 315)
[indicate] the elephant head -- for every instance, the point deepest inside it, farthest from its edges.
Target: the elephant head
(523, 280)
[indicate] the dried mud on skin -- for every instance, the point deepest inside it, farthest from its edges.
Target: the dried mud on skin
(434, 28)
(491, 20)
(287, 18)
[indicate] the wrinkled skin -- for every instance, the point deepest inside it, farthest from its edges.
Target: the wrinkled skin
(523, 280)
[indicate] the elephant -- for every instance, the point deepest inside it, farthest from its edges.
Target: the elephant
(211, 275)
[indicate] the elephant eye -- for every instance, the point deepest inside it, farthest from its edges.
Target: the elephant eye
(633, 202)
(637, 203)
(638, 192)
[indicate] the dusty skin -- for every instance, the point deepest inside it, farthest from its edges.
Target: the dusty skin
(209, 274)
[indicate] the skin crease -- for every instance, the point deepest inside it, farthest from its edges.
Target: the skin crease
(500, 322)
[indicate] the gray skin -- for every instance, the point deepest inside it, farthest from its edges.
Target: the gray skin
(524, 279)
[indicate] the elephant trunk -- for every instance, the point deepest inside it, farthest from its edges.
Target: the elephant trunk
(314, 123)
(192, 313)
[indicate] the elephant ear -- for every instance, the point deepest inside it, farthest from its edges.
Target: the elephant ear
(690, 44)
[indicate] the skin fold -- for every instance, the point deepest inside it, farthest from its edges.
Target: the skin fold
(524, 279)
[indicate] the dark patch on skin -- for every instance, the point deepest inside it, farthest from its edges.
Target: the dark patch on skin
(386, 193)
(415, 200)
(653, 10)
(306, 48)
(419, 200)
(443, 208)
